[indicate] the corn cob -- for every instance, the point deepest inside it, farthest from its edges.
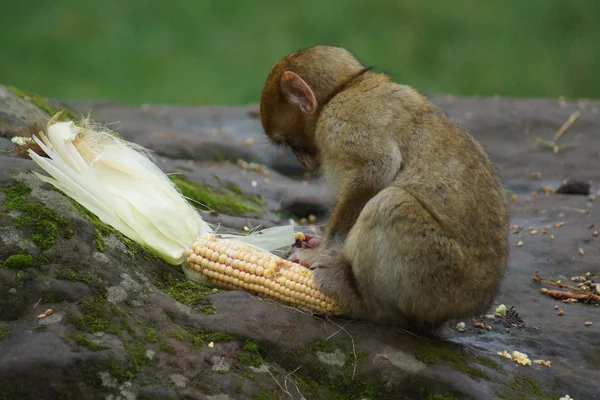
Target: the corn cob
(234, 265)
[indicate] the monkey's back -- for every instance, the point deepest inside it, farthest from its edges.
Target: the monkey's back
(443, 166)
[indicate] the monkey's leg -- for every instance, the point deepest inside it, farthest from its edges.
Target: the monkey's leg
(405, 268)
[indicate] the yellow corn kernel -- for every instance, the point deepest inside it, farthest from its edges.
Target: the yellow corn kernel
(234, 265)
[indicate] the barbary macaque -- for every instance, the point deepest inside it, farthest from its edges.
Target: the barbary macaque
(419, 231)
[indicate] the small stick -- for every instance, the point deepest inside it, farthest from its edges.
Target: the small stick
(561, 131)
(587, 297)
(538, 277)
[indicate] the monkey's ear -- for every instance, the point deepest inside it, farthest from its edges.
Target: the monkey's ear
(298, 92)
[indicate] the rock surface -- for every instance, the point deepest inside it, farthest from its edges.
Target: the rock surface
(124, 325)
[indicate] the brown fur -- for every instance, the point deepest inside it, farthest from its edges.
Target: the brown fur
(419, 232)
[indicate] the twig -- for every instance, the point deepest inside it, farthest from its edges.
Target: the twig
(538, 277)
(586, 297)
(38, 302)
(572, 118)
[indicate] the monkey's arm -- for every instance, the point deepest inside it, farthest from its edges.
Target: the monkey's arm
(355, 190)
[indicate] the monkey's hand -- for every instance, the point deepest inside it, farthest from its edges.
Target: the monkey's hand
(333, 276)
(306, 255)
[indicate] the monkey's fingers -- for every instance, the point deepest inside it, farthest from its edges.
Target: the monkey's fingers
(312, 241)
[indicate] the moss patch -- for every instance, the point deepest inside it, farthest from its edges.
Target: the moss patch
(183, 290)
(219, 200)
(84, 341)
(254, 358)
(43, 104)
(94, 316)
(4, 330)
(523, 387)
(199, 337)
(210, 309)
(19, 261)
(323, 346)
(41, 222)
(436, 352)
(75, 275)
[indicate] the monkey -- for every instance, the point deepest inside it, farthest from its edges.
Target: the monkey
(418, 234)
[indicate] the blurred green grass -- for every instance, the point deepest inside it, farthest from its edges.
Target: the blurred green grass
(207, 52)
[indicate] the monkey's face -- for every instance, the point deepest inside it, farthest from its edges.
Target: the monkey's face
(288, 115)
(287, 127)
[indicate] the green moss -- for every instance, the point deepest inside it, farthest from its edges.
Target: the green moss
(5, 329)
(84, 341)
(19, 261)
(179, 335)
(210, 309)
(21, 276)
(116, 370)
(251, 346)
(183, 290)
(215, 199)
(42, 222)
(252, 359)
(137, 352)
(320, 382)
(436, 352)
(199, 337)
(267, 395)
(218, 337)
(152, 336)
(322, 346)
(523, 387)
(72, 275)
(52, 298)
(489, 362)
(44, 104)
(167, 348)
(94, 315)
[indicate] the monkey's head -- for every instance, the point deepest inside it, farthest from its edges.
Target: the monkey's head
(295, 91)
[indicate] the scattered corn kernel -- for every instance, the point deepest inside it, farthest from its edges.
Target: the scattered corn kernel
(211, 344)
(48, 312)
(545, 363)
(521, 358)
(520, 243)
(580, 251)
(588, 323)
(501, 310)
(461, 326)
(561, 313)
(41, 316)
(300, 235)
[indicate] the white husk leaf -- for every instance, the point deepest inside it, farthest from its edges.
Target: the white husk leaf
(118, 182)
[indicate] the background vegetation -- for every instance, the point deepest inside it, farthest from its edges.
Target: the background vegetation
(208, 52)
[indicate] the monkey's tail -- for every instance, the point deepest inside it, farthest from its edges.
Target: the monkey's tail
(119, 182)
